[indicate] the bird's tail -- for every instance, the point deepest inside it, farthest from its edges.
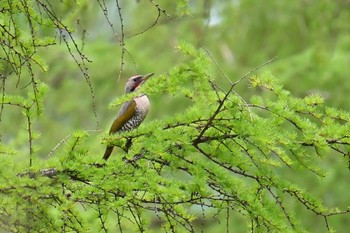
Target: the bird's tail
(108, 152)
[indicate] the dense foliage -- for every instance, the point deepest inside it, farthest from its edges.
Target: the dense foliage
(213, 155)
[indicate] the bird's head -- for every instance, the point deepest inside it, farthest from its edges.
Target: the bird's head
(135, 82)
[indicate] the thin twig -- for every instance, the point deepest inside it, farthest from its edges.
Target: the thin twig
(122, 43)
(65, 138)
(253, 70)
(217, 65)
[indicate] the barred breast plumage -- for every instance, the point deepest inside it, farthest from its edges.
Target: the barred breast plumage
(142, 107)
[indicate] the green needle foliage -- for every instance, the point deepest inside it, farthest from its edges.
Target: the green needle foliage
(222, 157)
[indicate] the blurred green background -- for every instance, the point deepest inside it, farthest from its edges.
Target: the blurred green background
(311, 39)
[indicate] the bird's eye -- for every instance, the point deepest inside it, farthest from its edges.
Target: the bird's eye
(137, 79)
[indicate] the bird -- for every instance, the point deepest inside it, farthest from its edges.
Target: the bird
(131, 113)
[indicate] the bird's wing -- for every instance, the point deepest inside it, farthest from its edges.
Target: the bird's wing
(126, 112)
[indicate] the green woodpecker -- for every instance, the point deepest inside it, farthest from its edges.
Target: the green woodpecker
(133, 112)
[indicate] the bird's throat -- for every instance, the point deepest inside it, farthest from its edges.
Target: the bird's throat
(136, 86)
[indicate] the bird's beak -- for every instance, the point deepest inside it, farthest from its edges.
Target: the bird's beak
(147, 76)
